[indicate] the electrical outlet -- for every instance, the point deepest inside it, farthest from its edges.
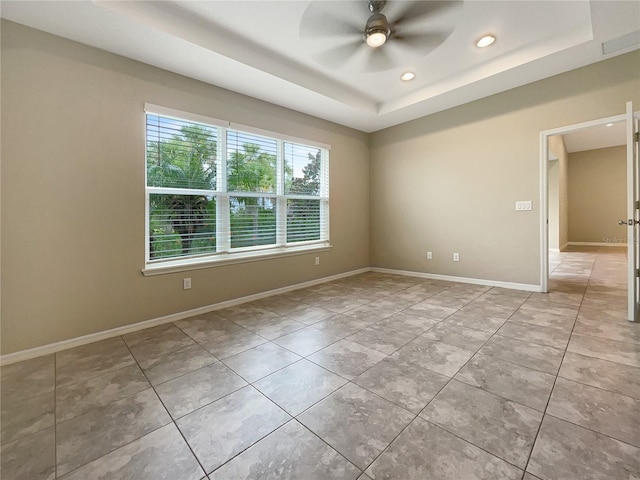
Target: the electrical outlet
(456, 257)
(429, 255)
(317, 260)
(186, 283)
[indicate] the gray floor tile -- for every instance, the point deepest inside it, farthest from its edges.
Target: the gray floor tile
(307, 340)
(101, 430)
(383, 339)
(619, 352)
(279, 305)
(458, 336)
(614, 377)
(476, 321)
(495, 305)
(260, 361)
(569, 452)
(550, 307)
(427, 310)
(300, 385)
(408, 385)
(544, 319)
(87, 361)
(221, 430)
(183, 395)
(513, 382)
(357, 423)
(527, 354)
(246, 314)
(398, 302)
(347, 359)
(206, 327)
(604, 315)
(152, 343)
(28, 378)
(629, 332)
(271, 328)
(606, 412)
(289, 453)
(425, 451)
(25, 416)
(528, 476)
(548, 336)
(341, 304)
(405, 322)
(178, 363)
(341, 325)
(233, 343)
(372, 313)
(437, 356)
(567, 298)
(310, 314)
(499, 426)
(159, 454)
(78, 398)
(29, 458)
(449, 301)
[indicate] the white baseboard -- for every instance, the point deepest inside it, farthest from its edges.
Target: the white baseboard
(564, 246)
(598, 244)
(134, 327)
(474, 281)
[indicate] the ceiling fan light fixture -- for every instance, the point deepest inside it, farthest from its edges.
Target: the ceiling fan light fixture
(377, 31)
(407, 76)
(376, 38)
(485, 41)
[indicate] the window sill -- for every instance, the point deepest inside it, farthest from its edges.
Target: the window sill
(183, 265)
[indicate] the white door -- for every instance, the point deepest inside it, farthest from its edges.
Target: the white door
(633, 252)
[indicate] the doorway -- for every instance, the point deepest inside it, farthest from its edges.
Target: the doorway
(598, 134)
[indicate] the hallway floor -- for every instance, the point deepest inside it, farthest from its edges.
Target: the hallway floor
(373, 376)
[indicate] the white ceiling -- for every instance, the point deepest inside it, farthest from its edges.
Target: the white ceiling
(310, 56)
(596, 137)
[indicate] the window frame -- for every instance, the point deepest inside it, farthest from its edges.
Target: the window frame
(225, 254)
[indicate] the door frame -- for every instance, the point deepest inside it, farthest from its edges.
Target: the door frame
(544, 186)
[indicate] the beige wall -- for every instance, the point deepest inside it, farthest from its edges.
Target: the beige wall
(559, 206)
(597, 195)
(448, 182)
(73, 192)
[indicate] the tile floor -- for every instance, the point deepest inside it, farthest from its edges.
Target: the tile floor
(371, 377)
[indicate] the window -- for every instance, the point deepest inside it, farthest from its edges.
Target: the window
(218, 192)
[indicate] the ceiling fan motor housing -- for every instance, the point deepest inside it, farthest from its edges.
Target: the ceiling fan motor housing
(377, 23)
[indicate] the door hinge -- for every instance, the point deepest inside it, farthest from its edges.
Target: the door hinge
(636, 136)
(637, 272)
(637, 204)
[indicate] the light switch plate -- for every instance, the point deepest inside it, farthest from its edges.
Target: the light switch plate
(523, 205)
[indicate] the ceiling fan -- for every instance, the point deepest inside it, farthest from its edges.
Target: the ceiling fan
(406, 29)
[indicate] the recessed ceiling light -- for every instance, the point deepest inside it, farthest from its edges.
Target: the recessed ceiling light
(609, 125)
(485, 41)
(406, 76)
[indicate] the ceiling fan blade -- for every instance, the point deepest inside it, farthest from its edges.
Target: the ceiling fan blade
(336, 57)
(422, 42)
(379, 59)
(417, 11)
(326, 20)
